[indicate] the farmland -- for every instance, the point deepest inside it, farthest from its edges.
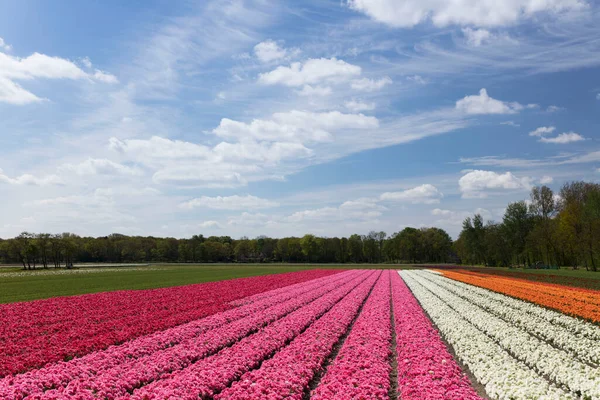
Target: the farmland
(327, 333)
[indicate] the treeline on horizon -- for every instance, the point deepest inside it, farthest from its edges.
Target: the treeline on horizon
(554, 230)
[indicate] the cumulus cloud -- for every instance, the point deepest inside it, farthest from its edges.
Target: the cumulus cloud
(310, 72)
(13, 93)
(484, 104)
(38, 66)
(269, 51)
(105, 77)
(477, 183)
(357, 106)
(229, 203)
(311, 91)
(476, 37)
(295, 126)
(417, 79)
(542, 130)
(408, 13)
(4, 46)
(28, 179)
(563, 138)
(370, 85)
(210, 225)
(95, 166)
(552, 109)
(456, 218)
(424, 194)
(359, 209)
(249, 219)
(546, 179)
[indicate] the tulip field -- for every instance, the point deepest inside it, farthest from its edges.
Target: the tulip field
(316, 334)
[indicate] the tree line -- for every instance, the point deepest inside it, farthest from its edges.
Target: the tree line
(549, 229)
(429, 245)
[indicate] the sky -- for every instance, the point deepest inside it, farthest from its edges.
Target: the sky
(280, 118)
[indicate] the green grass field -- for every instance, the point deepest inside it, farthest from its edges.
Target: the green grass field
(19, 285)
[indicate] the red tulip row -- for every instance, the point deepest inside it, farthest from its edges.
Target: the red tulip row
(288, 374)
(209, 376)
(128, 375)
(362, 368)
(62, 373)
(35, 333)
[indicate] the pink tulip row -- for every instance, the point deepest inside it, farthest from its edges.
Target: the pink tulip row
(426, 370)
(35, 333)
(210, 376)
(362, 368)
(288, 374)
(129, 375)
(60, 374)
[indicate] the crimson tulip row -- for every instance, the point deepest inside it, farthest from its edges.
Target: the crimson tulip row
(129, 375)
(60, 374)
(209, 376)
(426, 369)
(35, 333)
(362, 368)
(288, 374)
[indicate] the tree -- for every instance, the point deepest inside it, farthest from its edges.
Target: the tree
(517, 226)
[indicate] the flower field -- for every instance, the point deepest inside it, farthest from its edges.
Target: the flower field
(355, 334)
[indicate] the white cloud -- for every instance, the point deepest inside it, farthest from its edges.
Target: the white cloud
(510, 123)
(95, 166)
(424, 194)
(86, 62)
(210, 225)
(27, 179)
(295, 126)
(311, 91)
(105, 77)
(476, 183)
(456, 218)
(38, 66)
(12, 93)
(364, 209)
(235, 202)
(249, 219)
(542, 130)
(357, 106)
(552, 109)
(4, 46)
(269, 51)
(563, 138)
(370, 85)
(546, 179)
(408, 13)
(476, 37)
(417, 79)
(310, 72)
(484, 104)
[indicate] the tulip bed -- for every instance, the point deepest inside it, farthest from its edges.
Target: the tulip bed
(66, 327)
(356, 335)
(578, 302)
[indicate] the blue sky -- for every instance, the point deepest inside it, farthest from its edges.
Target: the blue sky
(283, 118)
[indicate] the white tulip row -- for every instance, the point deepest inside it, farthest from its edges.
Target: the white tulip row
(574, 325)
(581, 347)
(502, 375)
(555, 364)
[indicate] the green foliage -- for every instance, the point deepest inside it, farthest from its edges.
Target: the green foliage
(552, 230)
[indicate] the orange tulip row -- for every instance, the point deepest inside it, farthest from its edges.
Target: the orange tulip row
(582, 303)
